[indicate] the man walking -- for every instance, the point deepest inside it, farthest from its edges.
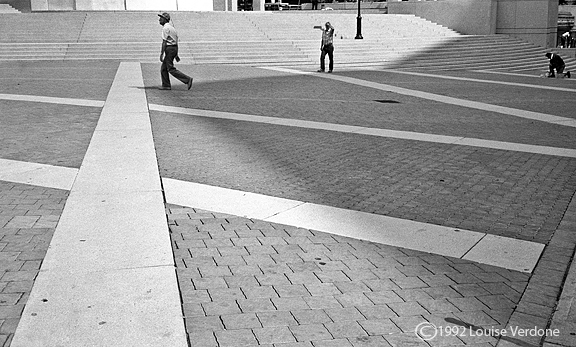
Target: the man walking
(327, 46)
(169, 53)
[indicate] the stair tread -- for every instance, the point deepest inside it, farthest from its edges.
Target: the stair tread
(226, 37)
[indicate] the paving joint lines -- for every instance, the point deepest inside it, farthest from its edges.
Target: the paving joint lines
(331, 328)
(490, 249)
(528, 288)
(244, 279)
(28, 218)
(559, 254)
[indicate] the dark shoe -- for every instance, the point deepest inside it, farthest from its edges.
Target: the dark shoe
(165, 88)
(551, 76)
(320, 70)
(190, 83)
(329, 71)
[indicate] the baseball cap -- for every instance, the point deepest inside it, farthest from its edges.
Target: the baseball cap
(165, 15)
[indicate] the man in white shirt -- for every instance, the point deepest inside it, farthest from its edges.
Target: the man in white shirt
(169, 53)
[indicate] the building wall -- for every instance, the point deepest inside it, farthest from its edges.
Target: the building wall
(472, 17)
(534, 21)
(149, 5)
(20, 5)
(53, 5)
(531, 20)
(130, 5)
(568, 8)
(110, 5)
(194, 5)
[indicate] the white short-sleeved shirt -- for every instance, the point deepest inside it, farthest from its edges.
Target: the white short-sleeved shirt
(169, 34)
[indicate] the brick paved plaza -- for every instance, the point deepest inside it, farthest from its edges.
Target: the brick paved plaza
(471, 152)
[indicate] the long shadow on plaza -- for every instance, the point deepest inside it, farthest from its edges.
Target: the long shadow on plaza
(514, 194)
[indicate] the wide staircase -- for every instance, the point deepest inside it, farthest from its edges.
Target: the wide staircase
(260, 38)
(6, 8)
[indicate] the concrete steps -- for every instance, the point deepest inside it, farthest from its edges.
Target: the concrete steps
(374, 26)
(271, 38)
(482, 52)
(197, 52)
(54, 27)
(6, 8)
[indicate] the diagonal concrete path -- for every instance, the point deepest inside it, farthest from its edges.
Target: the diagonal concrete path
(523, 85)
(493, 250)
(543, 117)
(109, 272)
(41, 175)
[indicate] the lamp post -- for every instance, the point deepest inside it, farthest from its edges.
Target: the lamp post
(358, 23)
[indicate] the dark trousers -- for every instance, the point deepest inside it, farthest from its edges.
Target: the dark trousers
(560, 69)
(314, 5)
(168, 67)
(327, 49)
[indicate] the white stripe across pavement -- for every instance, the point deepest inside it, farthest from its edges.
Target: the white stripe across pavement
(352, 129)
(468, 79)
(471, 245)
(42, 175)
(52, 100)
(499, 251)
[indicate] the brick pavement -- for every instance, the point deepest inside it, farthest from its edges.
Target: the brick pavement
(512, 194)
(66, 79)
(505, 193)
(55, 134)
(51, 133)
(518, 195)
(246, 282)
(545, 296)
(268, 93)
(28, 217)
(525, 97)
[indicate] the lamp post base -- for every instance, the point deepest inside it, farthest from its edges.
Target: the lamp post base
(359, 28)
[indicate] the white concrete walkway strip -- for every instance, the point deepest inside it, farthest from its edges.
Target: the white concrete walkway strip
(50, 176)
(109, 271)
(467, 79)
(498, 251)
(52, 100)
(501, 71)
(222, 199)
(496, 72)
(396, 134)
(512, 252)
(487, 249)
(543, 117)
